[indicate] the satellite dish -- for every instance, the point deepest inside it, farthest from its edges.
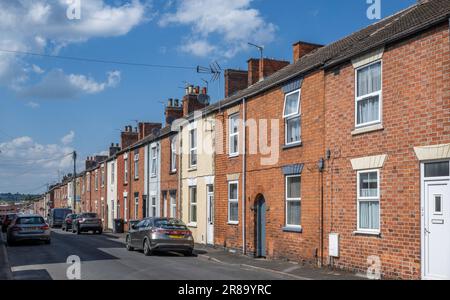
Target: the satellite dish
(204, 99)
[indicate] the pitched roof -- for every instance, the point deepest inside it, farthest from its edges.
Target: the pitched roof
(403, 24)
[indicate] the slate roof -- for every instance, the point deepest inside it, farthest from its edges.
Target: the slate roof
(403, 24)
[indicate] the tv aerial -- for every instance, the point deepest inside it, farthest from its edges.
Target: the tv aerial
(214, 69)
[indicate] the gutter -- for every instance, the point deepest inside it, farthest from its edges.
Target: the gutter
(244, 156)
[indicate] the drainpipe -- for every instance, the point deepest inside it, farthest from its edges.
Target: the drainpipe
(180, 178)
(244, 248)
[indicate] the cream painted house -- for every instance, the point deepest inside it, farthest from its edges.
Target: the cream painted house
(197, 177)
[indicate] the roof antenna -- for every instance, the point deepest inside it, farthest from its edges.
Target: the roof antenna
(260, 48)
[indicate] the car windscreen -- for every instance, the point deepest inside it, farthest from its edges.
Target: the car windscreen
(89, 216)
(30, 220)
(170, 224)
(60, 213)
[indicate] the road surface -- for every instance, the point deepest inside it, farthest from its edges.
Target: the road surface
(105, 258)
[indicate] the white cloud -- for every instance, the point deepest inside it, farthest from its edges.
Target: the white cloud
(233, 22)
(26, 164)
(33, 105)
(42, 26)
(68, 138)
(58, 85)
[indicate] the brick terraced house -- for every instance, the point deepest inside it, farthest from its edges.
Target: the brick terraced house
(340, 159)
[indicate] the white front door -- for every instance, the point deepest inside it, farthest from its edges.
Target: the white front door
(436, 228)
(210, 223)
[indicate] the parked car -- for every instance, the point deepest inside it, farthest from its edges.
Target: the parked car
(67, 224)
(87, 222)
(56, 216)
(28, 227)
(160, 234)
(7, 221)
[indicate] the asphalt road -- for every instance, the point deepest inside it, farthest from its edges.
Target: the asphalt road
(104, 258)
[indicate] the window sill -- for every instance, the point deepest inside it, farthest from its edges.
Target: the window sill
(233, 223)
(293, 229)
(367, 233)
(367, 129)
(290, 146)
(192, 225)
(192, 169)
(173, 172)
(233, 155)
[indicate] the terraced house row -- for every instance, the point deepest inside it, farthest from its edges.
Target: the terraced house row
(340, 158)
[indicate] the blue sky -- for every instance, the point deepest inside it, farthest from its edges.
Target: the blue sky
(48, 107)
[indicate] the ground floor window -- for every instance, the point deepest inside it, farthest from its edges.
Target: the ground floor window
(173, 205)
(293, 201)
(136, 207)
(193, 204)
(233, 202)
(368, 200)
(154, 207)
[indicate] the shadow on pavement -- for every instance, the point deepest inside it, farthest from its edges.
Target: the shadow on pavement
(87, 247)
(32, 275)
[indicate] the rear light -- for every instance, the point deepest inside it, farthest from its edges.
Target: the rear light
(45, 227)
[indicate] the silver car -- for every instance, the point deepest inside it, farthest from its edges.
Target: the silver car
(160, 234)
(26, 228)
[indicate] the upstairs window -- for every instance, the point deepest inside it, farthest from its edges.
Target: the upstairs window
(233, 124)
(96, 180)
(154, 161)
(125, 171)
(193, 148)
(136, 166)
(173, 155)
(103, 176)
(368, 95)
(291, 117)
(112, 173)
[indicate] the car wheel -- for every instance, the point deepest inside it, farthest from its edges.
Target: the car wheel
(100, 231)
(78, 231)
(147, 248)
(128, 244)
(189, 253)
(48, 242)
(10, 243)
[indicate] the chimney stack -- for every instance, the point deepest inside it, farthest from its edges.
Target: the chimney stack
(300, 49)
(113, 149)
(235, 81)
(190, 100)
(173, 111)
(259, 69)
(146, 129)
(128, 137)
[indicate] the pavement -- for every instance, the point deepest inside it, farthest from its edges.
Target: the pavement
(104, 257)
(5, 270)
(292, 270)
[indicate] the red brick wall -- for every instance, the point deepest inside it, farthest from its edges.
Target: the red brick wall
(269, 181)
(416, 105)
(169, 180)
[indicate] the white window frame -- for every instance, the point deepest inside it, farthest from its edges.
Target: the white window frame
(125, 170)
(233, 222)
(103, 176)
(193, 205)
(125, 208)
(173, 155)
(173, 205)
(136, 207)
(232, 135)
(193, 149)
(88, 182)
(136, 166)
(154, 206)
(292, 200)
(292, 116)
(378, 93)
(154, 157)
(112, 173)
(360, 199)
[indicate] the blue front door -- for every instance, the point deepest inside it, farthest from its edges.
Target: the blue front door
(261, 228)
